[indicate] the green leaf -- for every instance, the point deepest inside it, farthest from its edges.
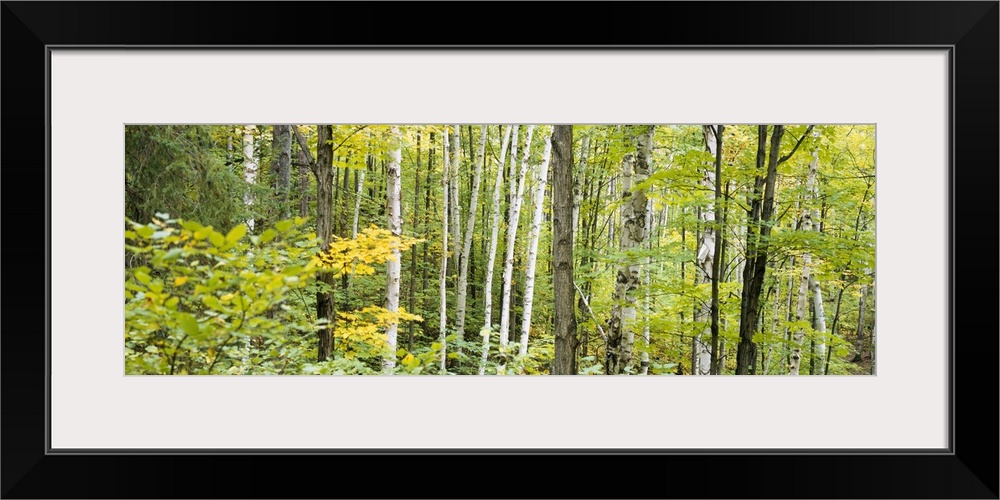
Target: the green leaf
(187, 323)
(191, 225)
(172, 254)
(283, 226)
(236, 234)
(217, 239)
(268, 235)
(145, 231)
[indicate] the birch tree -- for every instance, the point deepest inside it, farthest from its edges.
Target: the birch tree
(249, 170)
(621, 332)
(809, 287)
(463, 274)
(812, 189)
(508, 269)
(491, 258)
(453, 204)
(578, 183)
(536, 228)
(705, 353)
(393, 182)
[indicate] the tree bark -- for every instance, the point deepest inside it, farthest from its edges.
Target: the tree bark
(563, 285)
(322, 169)
(536, 230)
(717, 251)
(445, 180)
(453, 203)
(578, 183)
(281, 165)
(463, 274)
(508, 270)
(413, 254)
(491, 258)
(705, 351)
(249, 171)
(396, 228)
(809, 285)
(621, 332)
(758, 229)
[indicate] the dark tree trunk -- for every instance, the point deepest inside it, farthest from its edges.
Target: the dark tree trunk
(562, 237)
(413, 255)
(758, 230)
(281, 166)
(323, 170)
(717, 255)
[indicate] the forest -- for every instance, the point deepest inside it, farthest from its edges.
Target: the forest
(500, 249)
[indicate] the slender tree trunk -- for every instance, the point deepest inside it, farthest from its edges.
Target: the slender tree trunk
(281, 166)
(758, 229)
(859, 339)
(536, 230)
(393, 182)
(413, 254)
(563, 284)
(817, 292)
(445, 180)
(303, 184)
(357, 203)
(424, 281)
(644, 363)
(621, 333)
(833, 328)
(491, 258)
(809, 282)
(249, 171)
(577, 186)
(717, 252)
(463, 275)
(453, 203)
(798, 335)
(704, 271)
(508, 270)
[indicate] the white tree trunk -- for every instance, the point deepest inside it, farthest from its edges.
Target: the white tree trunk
(357, 202)
(800, 308)
(508, 268)
(456, 208)
(812, 187)
(808, 280)
(250, 166)
(445, 178)
(495, 232)
(646, 282)
(463, 274)
(536, 230)
(249, 169)
(633, 235)
(396, 228)
(578, 183)
(705, 257)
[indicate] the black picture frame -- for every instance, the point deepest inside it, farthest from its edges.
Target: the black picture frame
(967, 470)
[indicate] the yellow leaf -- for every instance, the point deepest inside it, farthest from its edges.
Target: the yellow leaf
(180, 280)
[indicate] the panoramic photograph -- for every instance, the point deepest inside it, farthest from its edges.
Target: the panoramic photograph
(499, 249)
